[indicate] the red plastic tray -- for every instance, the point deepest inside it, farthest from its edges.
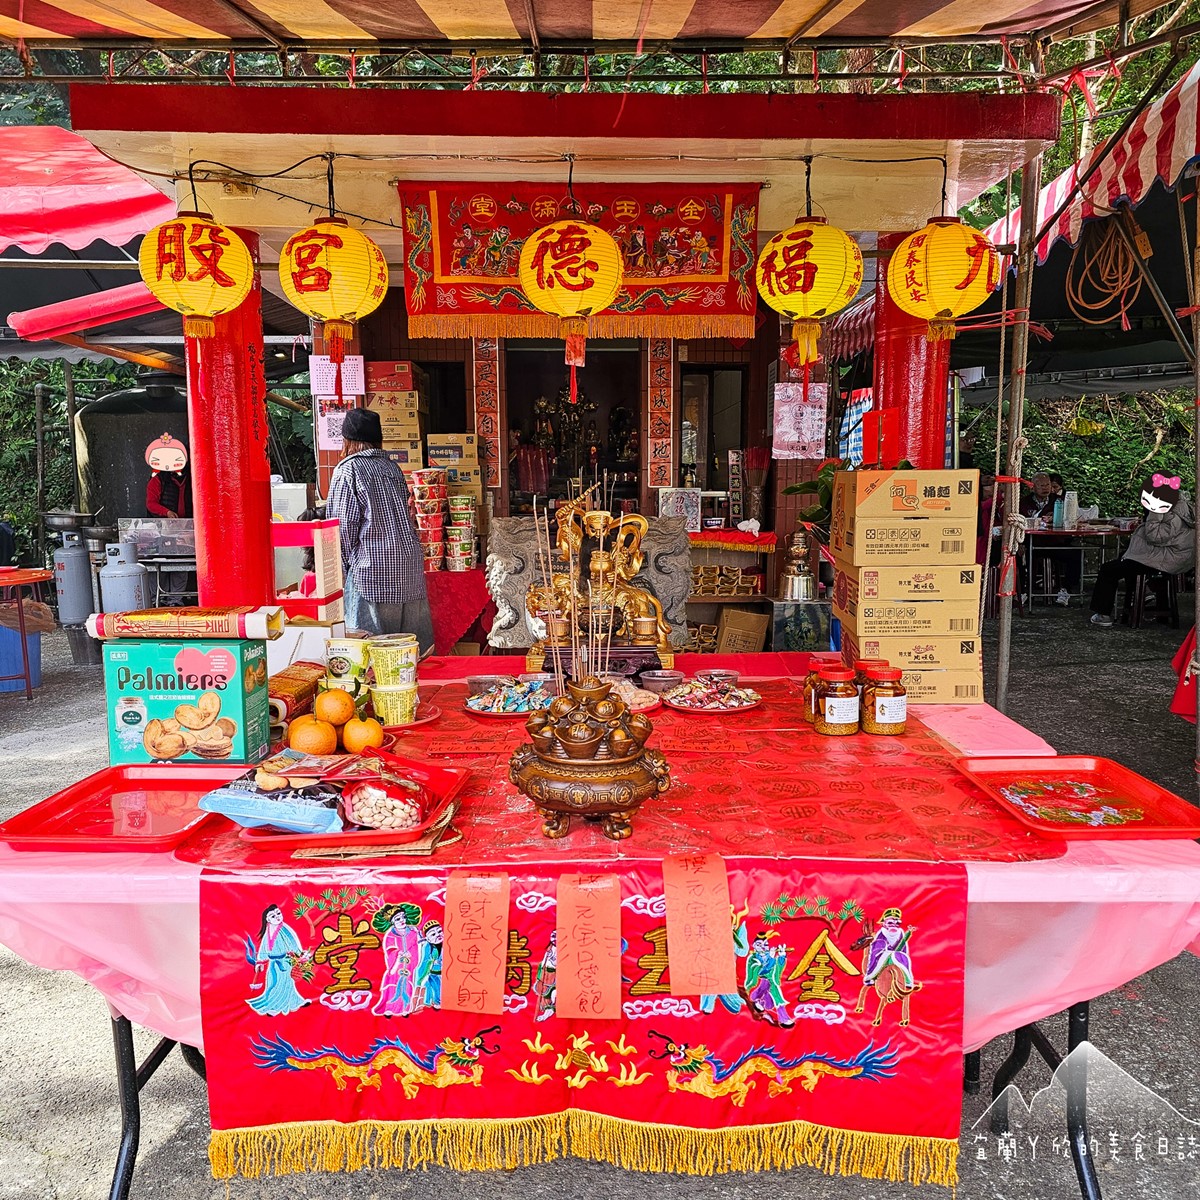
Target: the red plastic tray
(1085, 788)
(123, 808)
(443, 783)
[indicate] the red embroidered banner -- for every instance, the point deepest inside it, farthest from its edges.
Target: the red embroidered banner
(689, 254)
(331, 1046)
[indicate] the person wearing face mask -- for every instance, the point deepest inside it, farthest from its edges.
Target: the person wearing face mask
(1164, 542)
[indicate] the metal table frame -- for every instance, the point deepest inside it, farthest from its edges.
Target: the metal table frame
(131, 1078)
(1039, 541)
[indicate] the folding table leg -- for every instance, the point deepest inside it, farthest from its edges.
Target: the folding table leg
(130, 1080)
(1077, 1129)
(1010, 1068)
(971, 1063)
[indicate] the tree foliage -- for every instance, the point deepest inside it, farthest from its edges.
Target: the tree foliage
(18, 438)
(1104, 446)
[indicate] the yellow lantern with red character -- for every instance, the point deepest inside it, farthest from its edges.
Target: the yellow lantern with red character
(571, 270)
(943, 272)
(197, 267)
(335, 274)
(808, 272)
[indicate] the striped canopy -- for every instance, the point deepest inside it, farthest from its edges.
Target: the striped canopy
(362, 23)
(1161, 144)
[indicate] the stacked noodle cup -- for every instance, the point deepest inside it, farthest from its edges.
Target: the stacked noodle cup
(429, 500)
(460, 533)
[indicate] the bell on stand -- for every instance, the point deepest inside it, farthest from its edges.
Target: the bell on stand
(796, 580)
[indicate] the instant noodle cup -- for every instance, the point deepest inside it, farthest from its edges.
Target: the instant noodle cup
(460, 544)
(460, 563)
(462, 504)
(426, 475)
(432, 522)
(429, 491)
(396, 705)
(430, 537)
(346, 663)
(394, 660)
(428, 508)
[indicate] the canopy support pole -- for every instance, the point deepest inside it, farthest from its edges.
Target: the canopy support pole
(1195, 663)
(1031, 186)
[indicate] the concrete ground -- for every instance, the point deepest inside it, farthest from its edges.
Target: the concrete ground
(1084, 689)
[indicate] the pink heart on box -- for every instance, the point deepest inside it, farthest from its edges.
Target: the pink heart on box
(214, 663)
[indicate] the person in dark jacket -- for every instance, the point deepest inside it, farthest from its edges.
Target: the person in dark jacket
(1163, 543)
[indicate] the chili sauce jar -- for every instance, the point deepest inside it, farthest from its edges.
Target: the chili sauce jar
(837, 702)
(884, 701)
(862, 666)
(815, 663)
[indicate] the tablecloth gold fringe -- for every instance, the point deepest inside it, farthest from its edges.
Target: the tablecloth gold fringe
(499, 1144)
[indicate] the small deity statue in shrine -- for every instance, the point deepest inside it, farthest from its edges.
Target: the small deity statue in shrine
(609, 553)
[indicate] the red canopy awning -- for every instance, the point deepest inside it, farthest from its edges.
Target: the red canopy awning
(1160, 144)
(84, 312)
(56, 187)
(359, 23)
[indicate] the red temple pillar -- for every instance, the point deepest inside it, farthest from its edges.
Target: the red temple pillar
(912, 377)
(231, 473)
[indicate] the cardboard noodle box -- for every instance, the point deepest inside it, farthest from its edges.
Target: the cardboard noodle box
(906, 583)
(407, 456)
(940, 653)
(925, 541)
(906, 493)
(392, 376)
(909, 618)
(944, 687)
(450, 448)
(186, 701)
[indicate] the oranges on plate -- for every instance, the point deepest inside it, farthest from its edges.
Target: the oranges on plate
(334, 726)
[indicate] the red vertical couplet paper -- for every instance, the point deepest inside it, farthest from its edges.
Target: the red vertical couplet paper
(476, 942)
(589, 946)
(699, 928)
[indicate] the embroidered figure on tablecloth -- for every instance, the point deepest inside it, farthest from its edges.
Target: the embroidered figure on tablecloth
(887, 965)
(429, 966)
(765, 967)
(696, 1069)
(401, 951)
(452, 1061)
(273, 957)
(544, 985)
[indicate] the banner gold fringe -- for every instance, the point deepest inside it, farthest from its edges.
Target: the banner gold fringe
(490, 1145)
(605, 325)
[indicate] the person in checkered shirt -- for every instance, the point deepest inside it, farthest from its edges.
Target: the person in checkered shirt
(385, 567)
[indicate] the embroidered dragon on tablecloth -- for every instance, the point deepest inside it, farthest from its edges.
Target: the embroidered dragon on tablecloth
(696, 1069)
(452, 1061)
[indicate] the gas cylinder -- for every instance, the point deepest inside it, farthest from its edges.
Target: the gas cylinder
(122, 579)
(73, 580)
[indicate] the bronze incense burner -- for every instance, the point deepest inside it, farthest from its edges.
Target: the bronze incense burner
(587, 757)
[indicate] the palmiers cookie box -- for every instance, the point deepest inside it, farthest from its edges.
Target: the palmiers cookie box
(185, 701)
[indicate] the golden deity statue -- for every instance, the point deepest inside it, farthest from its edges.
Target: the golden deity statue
(609, 554)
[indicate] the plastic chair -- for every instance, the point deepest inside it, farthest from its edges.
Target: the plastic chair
(1166, 593)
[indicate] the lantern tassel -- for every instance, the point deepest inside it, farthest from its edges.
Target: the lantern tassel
(199, 327)
(574, 331)
(805, 333)
(336, 334)
(941, 329)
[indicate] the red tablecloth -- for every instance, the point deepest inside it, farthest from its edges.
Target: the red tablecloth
(457, 599)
